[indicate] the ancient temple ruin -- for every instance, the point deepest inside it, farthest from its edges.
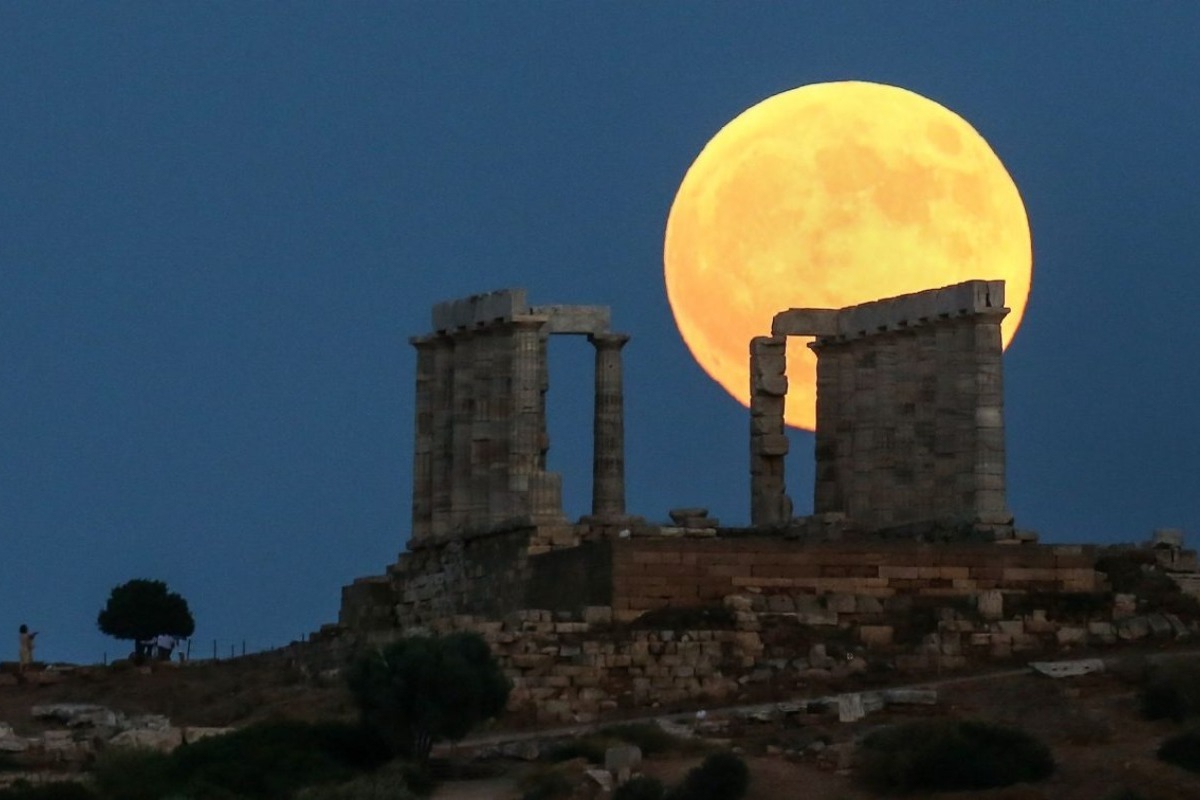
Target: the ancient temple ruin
(910, 410)
(615, 612)
(480, 449)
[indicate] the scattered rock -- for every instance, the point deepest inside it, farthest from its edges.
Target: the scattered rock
(159, 740)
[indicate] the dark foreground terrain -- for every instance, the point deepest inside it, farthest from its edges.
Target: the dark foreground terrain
(1093, 725)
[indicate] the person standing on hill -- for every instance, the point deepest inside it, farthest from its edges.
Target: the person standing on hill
(25, 651)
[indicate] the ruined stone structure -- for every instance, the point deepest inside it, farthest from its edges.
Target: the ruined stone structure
(480, 451)
(611, 612)
(910, 422)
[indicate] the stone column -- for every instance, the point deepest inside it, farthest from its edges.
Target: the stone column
(525, 422)
(441, 399)
(832, 445)
(500, 421)
(882, 489)
(608, 443)
(769, 504)
(989, 458)
(925, 427)
(423, 447)
(864, 405)
(947, 500)
(483, 341)
(462, 414)
(545, 487)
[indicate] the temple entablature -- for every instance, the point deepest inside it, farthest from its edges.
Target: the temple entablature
(481, 435)
(909, 422)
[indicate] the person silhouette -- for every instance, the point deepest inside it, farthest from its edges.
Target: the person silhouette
(25, 647)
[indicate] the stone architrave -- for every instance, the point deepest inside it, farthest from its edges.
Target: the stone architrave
(910, 409)
(479, 455)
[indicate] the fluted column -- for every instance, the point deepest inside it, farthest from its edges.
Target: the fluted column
(989, 455)
(441, 399)
(525, 424)
(608, 446)
(422, 489)
(462, 413)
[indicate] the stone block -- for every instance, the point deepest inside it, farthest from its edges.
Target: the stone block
(1071, 635)
(866, 604)
(1038, 623)
(1124, 605)
(850, 707)
(597, 615)
(1159, 625)
(990, 604)
(771, 385)
(780, 604)
(818, 322)
(841, 603)
(876, 635)
(1011, 627)
(818, 617)
(1133, 628)
(162, 741)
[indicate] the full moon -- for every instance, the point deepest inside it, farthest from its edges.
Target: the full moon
(827, 196)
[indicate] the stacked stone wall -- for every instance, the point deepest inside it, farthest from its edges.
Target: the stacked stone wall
(909, 413)
(651, 573)
(485, 575)
(578, 667)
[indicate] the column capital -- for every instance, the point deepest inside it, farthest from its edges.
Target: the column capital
(608, 340)
(428, 340)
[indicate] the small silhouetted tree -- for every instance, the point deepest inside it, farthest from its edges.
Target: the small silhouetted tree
(423, 689)
(721, 776)
(141, 609)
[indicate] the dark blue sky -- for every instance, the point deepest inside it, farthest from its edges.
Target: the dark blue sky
(219, 223)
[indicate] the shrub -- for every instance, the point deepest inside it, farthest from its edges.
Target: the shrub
(389, 783)
(721, 776)
(1182, 750)
(1125, 794)
(1172, 692)
(947, 755)
(546, 784)
(62, 790)
(132, 774)
(639, 788)
(275, 759)
(422, 689)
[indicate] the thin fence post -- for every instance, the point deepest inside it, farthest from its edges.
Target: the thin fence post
(214, 649)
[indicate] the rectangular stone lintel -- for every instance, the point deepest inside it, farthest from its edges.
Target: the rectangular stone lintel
(896, 313)
(805, 322)
(575, 319)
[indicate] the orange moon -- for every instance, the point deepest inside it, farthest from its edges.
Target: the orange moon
(826, 196)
